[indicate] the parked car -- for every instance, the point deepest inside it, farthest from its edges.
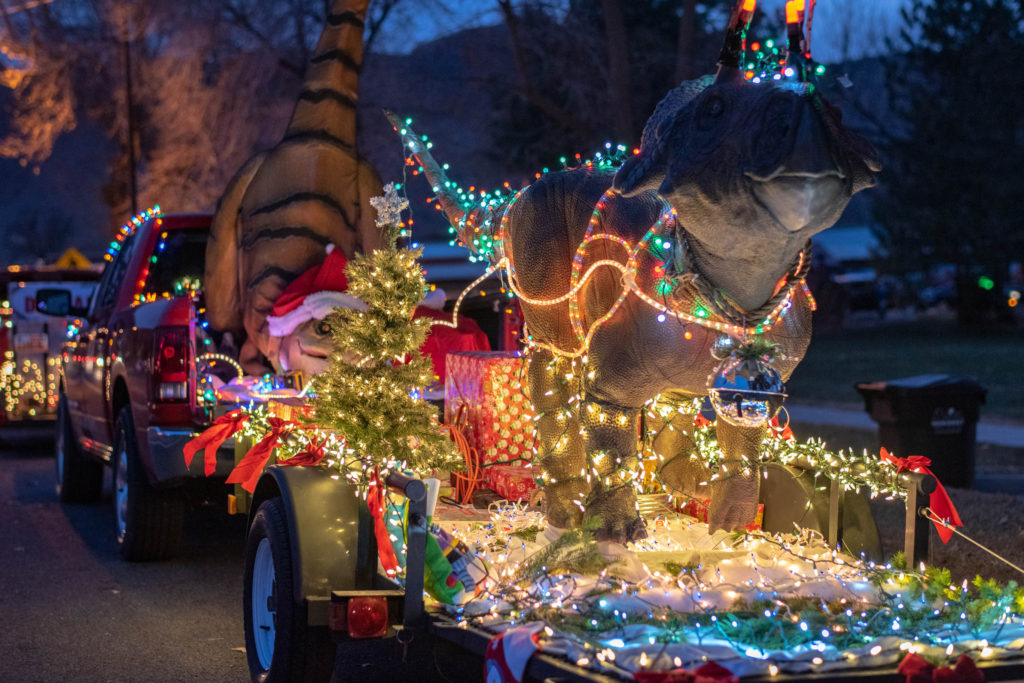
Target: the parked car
(32, 339)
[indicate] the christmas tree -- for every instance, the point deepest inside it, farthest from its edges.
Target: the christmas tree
(371, 388)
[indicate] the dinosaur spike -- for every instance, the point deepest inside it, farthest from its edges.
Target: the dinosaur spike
(450, 204)
(731, 57)
(810, 23)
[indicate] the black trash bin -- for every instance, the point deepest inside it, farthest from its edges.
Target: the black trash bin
(931, 415)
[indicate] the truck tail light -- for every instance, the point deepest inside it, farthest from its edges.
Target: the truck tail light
(171, 364)
(360, 616)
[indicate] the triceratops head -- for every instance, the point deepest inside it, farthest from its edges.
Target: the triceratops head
(741, 160)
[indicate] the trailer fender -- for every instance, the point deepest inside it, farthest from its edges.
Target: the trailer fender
(330, 530)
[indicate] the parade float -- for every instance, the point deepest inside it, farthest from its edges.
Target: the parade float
(650, 516)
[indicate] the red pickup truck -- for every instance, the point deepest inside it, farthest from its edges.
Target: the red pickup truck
(127, 387)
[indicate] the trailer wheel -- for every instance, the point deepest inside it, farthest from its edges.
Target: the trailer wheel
(280, 645)
(149, 520)
(79, 479)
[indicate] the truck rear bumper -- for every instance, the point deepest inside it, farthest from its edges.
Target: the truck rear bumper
(167, 453)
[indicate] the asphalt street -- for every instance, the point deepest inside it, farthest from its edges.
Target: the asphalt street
(72, 610)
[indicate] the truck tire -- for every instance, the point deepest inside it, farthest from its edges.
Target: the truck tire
(280, 645)
(79, 479)
(149, 520)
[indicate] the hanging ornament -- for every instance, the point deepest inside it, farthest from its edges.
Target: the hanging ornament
(745, 389)
(723, 347)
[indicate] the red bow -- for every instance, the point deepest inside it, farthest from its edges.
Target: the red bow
(784, 433)
(375, 501)
(213, 436)
(712, 672)
(939, 500)
(314, 451)
(701, 421)
(247, 471)
(917, 669)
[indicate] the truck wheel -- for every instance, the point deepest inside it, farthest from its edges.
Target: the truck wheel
(280, 645)
(149, 520)
(79, 479)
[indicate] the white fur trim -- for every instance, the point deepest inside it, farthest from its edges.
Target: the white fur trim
(435, 299)
(330, 247)
(316, 305)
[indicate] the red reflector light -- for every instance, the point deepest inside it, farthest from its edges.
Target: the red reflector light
(367, 617)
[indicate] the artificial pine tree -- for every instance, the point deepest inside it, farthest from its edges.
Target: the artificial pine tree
(369, 391)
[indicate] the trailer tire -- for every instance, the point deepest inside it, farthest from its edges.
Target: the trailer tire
(148, 520)
(79, 479)
(280, 645)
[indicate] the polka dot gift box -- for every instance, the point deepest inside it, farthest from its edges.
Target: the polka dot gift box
(490, 389)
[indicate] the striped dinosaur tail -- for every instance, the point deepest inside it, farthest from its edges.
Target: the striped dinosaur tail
(330, 93)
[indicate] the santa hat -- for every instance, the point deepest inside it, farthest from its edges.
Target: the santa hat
(318, 291)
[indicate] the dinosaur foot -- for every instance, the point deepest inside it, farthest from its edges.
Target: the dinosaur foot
(616, 507)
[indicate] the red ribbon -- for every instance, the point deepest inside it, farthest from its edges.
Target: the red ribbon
(917, 669)
(247, 471)
(212, 437)
(375, 501)
(314, 451)
(939, 500)
(780, 432)
(701, 421)
(711, 672)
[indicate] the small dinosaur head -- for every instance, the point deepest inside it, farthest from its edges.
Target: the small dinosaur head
(298, 330)
(742, 161)
(307, 348)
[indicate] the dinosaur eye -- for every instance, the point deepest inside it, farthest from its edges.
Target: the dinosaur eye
(322, 328)
(710, 111)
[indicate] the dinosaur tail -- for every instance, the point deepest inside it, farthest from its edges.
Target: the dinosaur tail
(443, 193)
(326, 108)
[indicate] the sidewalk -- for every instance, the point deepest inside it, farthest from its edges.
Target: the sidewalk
(998, 434)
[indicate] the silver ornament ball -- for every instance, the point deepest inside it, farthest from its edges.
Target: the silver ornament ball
(746, 392)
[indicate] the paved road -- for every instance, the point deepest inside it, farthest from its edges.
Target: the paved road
(71, 610)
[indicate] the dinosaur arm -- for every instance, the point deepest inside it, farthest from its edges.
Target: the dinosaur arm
(221, 280)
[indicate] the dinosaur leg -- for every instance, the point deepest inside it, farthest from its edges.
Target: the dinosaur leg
(561, 456)
(609, 436)
(679, 468)
(734, 494)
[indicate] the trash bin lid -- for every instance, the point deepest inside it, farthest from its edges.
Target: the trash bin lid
(923, 384)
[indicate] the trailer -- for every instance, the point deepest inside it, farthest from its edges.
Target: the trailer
(317, 608)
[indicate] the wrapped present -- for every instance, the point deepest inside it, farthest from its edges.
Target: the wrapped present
(511, 482)
(290, 407)
(699, 509)
(486, 396)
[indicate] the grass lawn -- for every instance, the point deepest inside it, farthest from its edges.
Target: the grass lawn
(836, 361)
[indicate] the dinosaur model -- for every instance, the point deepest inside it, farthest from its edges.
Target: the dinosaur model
(286, 205)
(630, 280)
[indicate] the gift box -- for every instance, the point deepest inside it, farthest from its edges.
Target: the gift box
(289, 407)
(486, 395)
(699, 508)
(511, 482)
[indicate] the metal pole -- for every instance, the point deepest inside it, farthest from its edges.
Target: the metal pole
(915, 546)
(129, 102)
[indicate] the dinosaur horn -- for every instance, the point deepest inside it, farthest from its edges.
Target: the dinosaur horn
(415, 147)
(810, 23)
(731, 57)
